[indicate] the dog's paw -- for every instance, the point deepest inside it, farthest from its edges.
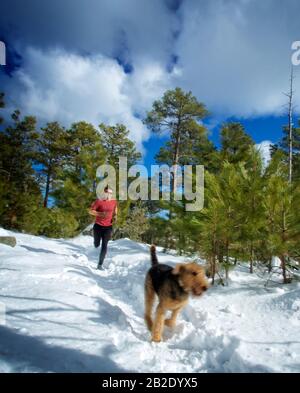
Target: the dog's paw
(156, 339)
(170, 323)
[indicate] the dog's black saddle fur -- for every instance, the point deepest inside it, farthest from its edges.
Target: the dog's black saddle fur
(161, 274)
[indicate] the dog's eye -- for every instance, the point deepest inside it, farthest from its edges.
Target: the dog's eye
(194, 273)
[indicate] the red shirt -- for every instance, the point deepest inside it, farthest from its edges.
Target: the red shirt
(107, 207)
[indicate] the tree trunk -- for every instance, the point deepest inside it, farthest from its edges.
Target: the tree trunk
(213, 269)
(221, 257)
(227, 273)
(290, 96)
(176, 154)
(175, 164)
(270, 266)
(283, 266)
(227, 262)
(251, 260)
(282, 258)
(47, 189)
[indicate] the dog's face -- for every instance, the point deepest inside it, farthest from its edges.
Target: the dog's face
(191, 278)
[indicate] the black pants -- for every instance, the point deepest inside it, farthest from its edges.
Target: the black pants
(102, 234)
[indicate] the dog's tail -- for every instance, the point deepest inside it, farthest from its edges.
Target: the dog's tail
(154, 260)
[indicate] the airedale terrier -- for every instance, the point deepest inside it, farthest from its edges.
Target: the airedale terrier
(173, 287)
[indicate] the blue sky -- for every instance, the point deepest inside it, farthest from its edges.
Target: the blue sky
(268, 128)
(107, 61)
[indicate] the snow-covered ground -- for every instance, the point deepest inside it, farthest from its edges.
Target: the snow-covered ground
(62, 315)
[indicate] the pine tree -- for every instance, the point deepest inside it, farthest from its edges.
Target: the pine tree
(116, 142)
(282, 206)
(207, 224)
(77, 180)
(137, 222)
(235, 143)
(179, 114)
(87, 152)
(251, 210)
(284, 145)
(53, 151)
(51, 222)
(19, 189)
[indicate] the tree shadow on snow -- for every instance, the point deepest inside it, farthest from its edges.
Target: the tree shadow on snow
(43, 250)
(28, 353)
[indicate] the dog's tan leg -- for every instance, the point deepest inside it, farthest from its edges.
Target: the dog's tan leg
(171, 322)
(149, 300)
(158, 324)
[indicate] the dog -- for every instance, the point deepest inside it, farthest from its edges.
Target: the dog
(172, 286)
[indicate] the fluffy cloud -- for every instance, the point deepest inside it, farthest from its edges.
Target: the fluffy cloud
(233, 54)
(237, 54)
(128, 29)
(57, 85)
(265, 150)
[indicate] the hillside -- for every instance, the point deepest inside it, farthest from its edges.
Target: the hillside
(62, 315)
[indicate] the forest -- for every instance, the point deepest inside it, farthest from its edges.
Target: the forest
(251, 209)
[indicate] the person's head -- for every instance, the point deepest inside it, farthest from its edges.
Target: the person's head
(107, 193)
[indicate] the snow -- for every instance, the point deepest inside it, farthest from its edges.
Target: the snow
(59, 314)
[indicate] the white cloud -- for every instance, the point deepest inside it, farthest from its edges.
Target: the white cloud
(234, 55)
(264, 148)
(148, 82)
(130, 29)
(66, 87)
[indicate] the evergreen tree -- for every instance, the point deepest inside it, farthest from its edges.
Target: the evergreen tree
(116, 142)
(19, 190)
(137, 222)
(251, 210)
(53, 151)
(284, 147)
(207, 224)
(77, 180)
(51, 222)
(215, 223)
(282, 207)
(155, 233)
(179, 114)
(235, 143)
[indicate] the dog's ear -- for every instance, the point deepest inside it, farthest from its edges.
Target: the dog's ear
(179, 268)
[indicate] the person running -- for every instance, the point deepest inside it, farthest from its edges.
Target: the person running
(105, 210)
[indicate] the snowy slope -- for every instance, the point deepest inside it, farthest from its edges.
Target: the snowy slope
(64, 316)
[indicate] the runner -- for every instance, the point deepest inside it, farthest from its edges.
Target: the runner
(105, 210)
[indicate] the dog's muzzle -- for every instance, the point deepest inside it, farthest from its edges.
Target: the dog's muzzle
(199, 290)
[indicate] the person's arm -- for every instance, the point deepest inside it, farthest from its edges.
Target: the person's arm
(115, 215)
(93, 212)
